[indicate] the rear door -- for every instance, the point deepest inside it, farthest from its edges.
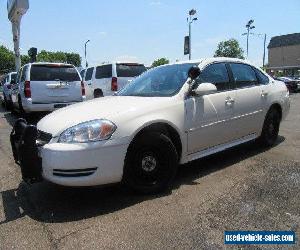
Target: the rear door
(54, 83)
(126, 72)
(248, 111)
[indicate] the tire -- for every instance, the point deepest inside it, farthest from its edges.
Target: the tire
(98, 93)
(270, 129)
(151, 163)
(21, 110)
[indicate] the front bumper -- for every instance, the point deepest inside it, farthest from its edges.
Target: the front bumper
(25, 151)
(68, 164)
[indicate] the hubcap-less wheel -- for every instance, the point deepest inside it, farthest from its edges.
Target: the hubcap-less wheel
(271, 128)
(151, 163)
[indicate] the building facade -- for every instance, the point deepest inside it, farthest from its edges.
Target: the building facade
(284, 55)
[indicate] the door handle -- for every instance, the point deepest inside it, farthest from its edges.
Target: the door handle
(229, 101)
(264, 94)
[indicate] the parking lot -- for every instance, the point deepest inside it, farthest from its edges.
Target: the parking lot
(245, 188)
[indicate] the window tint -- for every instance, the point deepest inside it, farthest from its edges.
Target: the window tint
(53, 72)
(262, 78)
(216, 74)
(89, 74)
(23, 74)
(243, 75)
(104, 71)
(13, 76)
(82, 73)
(130, 70)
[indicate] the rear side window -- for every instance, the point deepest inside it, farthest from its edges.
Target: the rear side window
(53, 73)
(130, 70)
(216, 74)
(89, 74)
(104, 71)
(13, 76)
(82, 73)
(23, 74)
(262, 78)
(243, 75)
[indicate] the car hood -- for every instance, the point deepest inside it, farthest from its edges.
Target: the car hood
(112, 108)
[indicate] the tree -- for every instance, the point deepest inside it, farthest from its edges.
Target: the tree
(7, 60)
(60, 57)
(160, 61)
(229, 48)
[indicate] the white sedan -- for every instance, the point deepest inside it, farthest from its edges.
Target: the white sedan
(169, 115)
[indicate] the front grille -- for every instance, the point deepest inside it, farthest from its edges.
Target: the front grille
(43, 138)
(74, 172)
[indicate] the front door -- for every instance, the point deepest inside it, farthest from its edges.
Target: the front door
(209, 117)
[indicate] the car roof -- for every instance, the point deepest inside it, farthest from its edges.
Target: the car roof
(50, 63)
(214, 59)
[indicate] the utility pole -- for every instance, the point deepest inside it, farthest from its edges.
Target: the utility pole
(192, 12)
(86, 62)
(264, 56)
(16, 9)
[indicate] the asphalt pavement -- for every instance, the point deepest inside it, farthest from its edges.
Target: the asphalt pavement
(244, 188)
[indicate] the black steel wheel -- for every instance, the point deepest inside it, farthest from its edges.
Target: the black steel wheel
(270, 129)
(151, 163)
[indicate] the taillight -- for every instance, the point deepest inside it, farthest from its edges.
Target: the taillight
(8, 86)
(114, 84)
(27, 90)
(82, 89)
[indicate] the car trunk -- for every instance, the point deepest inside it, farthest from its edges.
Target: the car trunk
(55, 84)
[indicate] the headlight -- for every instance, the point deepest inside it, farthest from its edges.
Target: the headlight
(95, 130)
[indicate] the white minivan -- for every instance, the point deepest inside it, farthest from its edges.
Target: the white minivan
(106, 79)
(46, 87)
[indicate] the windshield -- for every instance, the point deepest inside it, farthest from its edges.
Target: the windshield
(54, 73)
(161, 81)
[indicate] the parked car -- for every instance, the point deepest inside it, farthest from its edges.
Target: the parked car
(7, 81)
(171, 114)
(291, 83)
(106, 79)
(46, 87)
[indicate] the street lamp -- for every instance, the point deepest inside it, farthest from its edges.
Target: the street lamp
(249, 27)
(86, 62)
(190, 20)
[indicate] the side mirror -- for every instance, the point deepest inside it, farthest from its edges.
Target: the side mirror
(194, 72)
(205, 88)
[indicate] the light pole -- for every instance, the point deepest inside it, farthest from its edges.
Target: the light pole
(249, 27)
(190, 20)
(86, 62)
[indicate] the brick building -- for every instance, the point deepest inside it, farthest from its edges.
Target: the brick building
(284, 55)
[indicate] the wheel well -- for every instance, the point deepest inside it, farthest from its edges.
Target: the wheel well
(98, 92)
(165, 129)
(277, 107)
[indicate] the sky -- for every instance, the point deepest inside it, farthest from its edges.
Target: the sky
(144, 30)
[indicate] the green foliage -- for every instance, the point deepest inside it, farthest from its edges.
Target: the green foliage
(62, 57)
(7, 60)
(160, 61)
(229, 48)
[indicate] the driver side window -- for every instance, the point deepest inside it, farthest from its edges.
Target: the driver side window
(216, 74)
